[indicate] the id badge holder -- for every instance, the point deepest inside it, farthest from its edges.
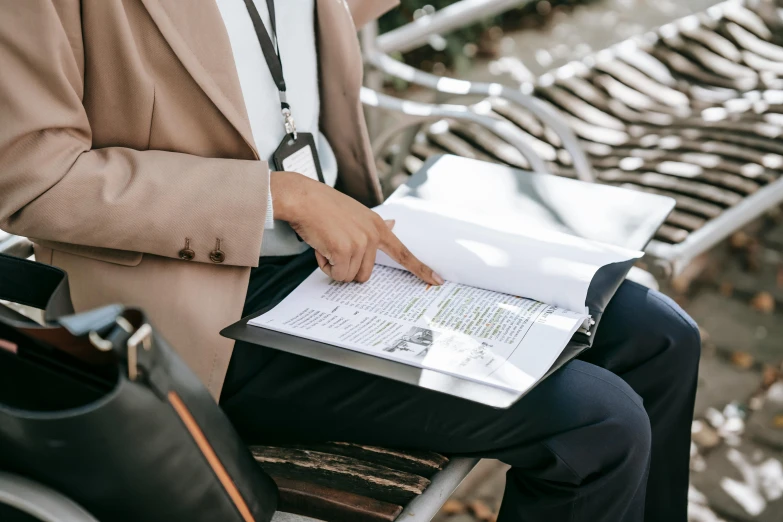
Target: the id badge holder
(297, 153)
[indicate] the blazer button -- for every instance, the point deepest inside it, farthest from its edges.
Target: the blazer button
(186, 254)
(217, 255)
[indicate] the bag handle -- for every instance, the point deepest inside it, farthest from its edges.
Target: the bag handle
(90, 336)
(37, 285)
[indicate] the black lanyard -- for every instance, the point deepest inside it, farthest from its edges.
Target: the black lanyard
(272, 55)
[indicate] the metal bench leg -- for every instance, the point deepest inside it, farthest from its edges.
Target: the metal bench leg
(39, 501)
(424, 507)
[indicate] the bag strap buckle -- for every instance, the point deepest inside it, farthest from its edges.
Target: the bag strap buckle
(143, 337)
(105, 345)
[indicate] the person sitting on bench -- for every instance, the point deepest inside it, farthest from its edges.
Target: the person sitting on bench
(133, 150)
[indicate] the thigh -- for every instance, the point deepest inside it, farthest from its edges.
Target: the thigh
(270, 282)
(567, 418)
(640, 324)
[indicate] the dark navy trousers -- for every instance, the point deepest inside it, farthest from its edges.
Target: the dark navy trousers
(606, 438)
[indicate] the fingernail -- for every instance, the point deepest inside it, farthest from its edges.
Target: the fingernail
(438, 278)
(390, 223)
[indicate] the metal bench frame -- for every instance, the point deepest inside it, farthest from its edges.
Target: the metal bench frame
(454, 16)
(39, 501)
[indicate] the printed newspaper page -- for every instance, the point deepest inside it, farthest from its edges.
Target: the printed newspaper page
(475, 247)
(485, 336)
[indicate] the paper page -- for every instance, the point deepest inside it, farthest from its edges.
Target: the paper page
(478, 248)
(484, 336)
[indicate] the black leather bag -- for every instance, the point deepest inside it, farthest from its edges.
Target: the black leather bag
(99, 407)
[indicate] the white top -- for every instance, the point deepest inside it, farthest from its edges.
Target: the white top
(296, 41)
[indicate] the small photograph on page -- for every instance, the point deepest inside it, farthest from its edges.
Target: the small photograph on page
(434, 348)
(417, 341)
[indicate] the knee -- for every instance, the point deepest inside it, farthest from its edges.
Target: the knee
(628, 435)
(658, 327)
(681, 334)
(615, 436)
(688, 346)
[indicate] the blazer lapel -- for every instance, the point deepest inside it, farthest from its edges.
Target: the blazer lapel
(364, 11)
(197, 36)
(342, 116)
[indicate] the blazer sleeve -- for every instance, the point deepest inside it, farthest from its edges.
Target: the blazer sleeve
(54, 186)
(365, 11)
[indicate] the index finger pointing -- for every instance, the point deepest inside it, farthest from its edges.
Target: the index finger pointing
(400, 253)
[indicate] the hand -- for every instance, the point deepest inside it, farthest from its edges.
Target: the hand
(344, 233)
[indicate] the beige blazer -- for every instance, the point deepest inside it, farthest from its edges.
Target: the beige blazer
(124, 140)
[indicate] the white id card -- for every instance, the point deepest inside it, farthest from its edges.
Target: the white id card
(302, 161)
(299, 155)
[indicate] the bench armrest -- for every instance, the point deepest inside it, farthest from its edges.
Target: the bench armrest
(451, 17)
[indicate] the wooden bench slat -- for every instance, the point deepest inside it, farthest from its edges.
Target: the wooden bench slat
(687, 221)
(694, 73)
(752, 171)
(489, 143)
(524, 120)
(425, 149)
(625, 112)
(687, 170)
(691, 188)
(684, 203)
(633, 78)
(697, 142)
(580, 108)
(702, 57)
(670, 234)
(633, 98)
(331, 505)
(339, 472)
(748, 135)
(422, 463)
(453, 144)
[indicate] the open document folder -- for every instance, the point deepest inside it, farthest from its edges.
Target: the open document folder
(523, 294)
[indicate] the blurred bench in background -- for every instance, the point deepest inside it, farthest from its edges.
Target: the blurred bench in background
(693, 110)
